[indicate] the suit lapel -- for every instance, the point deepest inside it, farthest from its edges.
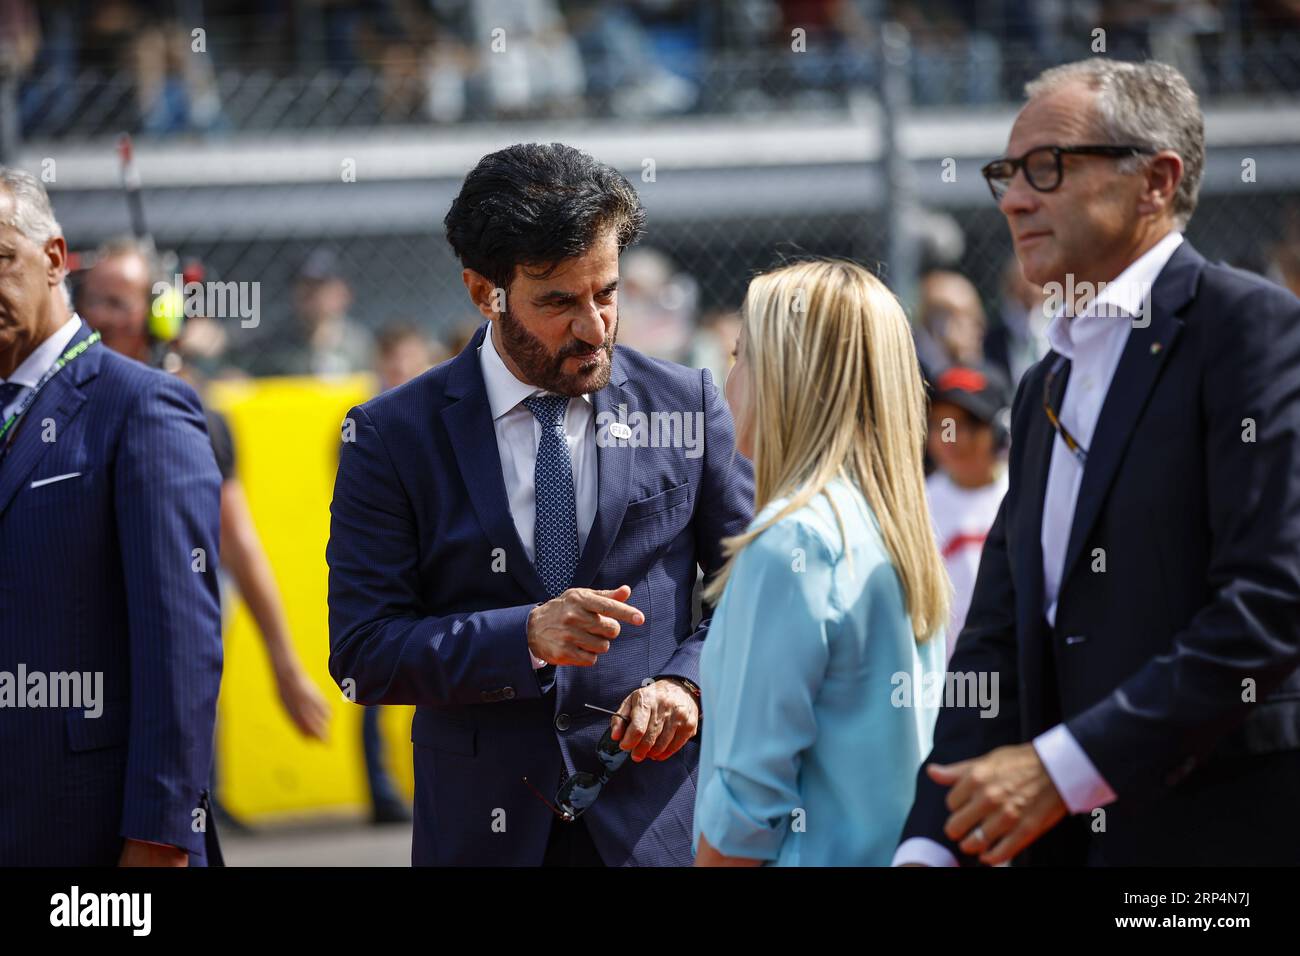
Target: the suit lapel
(59, 401)
(468, 420)
(614, 469)
(1144, 356)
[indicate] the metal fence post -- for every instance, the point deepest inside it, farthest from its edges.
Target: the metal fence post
(903, 262)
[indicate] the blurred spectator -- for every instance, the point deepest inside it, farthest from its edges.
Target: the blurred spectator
(176, 86)
(115, 295)
(969, 424)
(656, 304)
(953, 59)
(950, 322)
(1164, 30)
(448, 63)
(319, 338)
(402, 352)
(838, 43)
(626, 72)
(529, 63)
(115, 298)
(1019, 339)
(20, 36)
(714, 344)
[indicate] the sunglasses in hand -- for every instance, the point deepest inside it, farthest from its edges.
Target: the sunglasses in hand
(580, 790)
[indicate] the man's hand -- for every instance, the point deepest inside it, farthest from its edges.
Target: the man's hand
(661, 717)
(576, 627)
(1000, 803)
(135, 853)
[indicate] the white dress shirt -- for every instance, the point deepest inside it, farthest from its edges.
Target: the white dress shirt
(518, 433)
(38, 363)
(1093, 341)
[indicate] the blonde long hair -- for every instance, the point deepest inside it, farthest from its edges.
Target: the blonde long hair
(836, 391)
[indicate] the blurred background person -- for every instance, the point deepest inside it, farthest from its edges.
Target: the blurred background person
(656, 303)
(1019, 338)
(969, 423)
(115, 297)
(950, 324)
(833, 588)
(320, 338)
(714, 343)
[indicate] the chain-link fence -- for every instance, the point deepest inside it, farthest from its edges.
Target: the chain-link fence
(414, 279)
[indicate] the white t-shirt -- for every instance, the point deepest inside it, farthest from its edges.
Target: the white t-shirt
(962, 518)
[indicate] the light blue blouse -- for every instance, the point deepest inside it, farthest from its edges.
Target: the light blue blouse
(813, 725)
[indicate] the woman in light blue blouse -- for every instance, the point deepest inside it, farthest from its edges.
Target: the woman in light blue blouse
(829, 610)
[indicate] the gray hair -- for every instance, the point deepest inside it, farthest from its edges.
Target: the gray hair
(1146, 104)
(33, 215)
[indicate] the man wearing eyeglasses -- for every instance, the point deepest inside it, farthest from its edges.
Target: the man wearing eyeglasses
(1139, 592)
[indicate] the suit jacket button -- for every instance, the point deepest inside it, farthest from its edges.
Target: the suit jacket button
(508, 693)
(561, 722)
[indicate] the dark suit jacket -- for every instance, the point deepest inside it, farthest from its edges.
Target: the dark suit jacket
(99, 573)
(1152, 660)
(430, 591)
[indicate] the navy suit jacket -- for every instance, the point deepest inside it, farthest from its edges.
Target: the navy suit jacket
(99, 573)
(430, 591)
(1175, 667)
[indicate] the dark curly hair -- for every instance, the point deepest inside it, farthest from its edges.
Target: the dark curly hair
(535, 205)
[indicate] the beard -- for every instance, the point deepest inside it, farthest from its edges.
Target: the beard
(545, 369)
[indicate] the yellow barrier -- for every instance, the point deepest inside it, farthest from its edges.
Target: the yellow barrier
(287, 433)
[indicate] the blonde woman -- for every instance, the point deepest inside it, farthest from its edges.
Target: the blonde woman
(830, 607)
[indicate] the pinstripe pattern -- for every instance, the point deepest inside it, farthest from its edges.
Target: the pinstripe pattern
(422, 610)
(96, 575)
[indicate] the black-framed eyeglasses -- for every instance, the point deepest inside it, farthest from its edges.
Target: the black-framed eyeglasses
(1072, 443)
(1044, 168)
(579, 791)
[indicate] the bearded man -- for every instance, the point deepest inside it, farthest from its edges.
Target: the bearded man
(510, 555)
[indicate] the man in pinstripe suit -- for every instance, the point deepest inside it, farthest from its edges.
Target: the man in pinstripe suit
(109, 510)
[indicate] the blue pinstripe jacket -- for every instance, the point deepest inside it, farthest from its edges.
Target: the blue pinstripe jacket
(430, 590)
(111, 572)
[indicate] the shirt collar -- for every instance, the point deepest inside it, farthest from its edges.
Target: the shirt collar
(44, 355)
(1122, 296)
(504, 389)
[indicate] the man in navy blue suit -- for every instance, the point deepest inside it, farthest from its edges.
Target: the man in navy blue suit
(110, 632)
(516, 535)
(1139, 594)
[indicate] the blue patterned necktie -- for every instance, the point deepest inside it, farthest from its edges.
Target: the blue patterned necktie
(555, 533)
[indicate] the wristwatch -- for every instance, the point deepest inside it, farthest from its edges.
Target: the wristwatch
(689, 685)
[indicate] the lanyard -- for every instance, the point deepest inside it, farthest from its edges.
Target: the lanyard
(8, 429)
